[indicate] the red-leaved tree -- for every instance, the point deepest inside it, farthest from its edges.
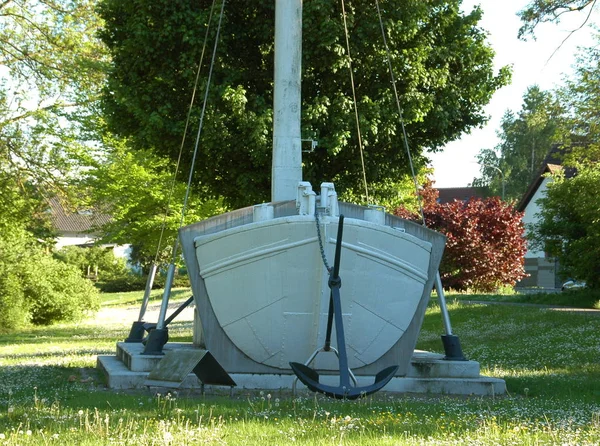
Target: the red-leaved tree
(485, 245)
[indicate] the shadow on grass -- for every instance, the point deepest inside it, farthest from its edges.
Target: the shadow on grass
(80, 334)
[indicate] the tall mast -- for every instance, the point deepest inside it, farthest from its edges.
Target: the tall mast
(286, 171)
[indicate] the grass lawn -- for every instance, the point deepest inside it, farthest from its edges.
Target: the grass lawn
(583, 298)
(50, 392)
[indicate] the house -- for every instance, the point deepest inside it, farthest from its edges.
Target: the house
(542, 269)
(449, 194)
(81, 228)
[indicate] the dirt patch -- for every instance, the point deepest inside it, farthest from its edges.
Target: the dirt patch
(115, 315)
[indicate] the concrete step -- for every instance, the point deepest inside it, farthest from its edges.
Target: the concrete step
(432, 365)
(423, 364)
(130, 353)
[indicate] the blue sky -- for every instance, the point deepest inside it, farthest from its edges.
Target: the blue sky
(456, 166)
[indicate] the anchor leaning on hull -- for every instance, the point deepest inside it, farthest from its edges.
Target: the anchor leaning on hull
(309, 376)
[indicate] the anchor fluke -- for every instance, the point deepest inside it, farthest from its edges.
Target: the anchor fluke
(309, 377)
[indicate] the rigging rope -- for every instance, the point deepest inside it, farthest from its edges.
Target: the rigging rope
(200, 125)
(360, 145)
(187, 122)
(389, 59)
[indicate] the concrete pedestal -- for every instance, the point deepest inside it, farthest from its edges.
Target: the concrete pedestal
(428, 373)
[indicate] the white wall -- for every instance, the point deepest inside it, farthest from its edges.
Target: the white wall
(531, 210)
(120, 251)
(71, 240)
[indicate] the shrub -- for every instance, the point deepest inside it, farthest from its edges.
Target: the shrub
(485, 244)
(14, 312)
(136, 282)
(56, 291)
(34, 287)
(127, 282)
(113, 274)
(569, 228)
(109, 267)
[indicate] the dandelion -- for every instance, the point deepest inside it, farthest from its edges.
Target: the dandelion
(28, 432)
(80, 412)
(2, 436)
(11, 409)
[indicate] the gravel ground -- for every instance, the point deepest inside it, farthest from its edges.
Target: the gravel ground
(130, 314)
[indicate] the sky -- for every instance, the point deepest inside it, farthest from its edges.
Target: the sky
(456, 165)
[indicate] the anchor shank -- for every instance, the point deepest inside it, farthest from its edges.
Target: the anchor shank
(334, 284)
(327, 345)
(341, 340)
(338, 250)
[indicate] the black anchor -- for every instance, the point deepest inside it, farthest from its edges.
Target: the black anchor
(309, 376)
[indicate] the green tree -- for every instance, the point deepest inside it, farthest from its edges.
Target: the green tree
(568, 226)
(53, 70)
(441, 58)
(541, 11)
(36, 288)
(581, 96)
(134, 187)
(526, 139)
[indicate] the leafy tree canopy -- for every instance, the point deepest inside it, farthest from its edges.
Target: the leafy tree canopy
(53, 69)
(568, 226)
(580, 97)
(525, 140)
(541, 11)
(441, 59)
(136, 188)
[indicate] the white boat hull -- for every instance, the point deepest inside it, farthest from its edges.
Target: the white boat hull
(262, 292)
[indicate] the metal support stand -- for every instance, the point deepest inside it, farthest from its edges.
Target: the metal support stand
(182, 307)
(156, 341)
(451, 343)
(138, 329)
(137, 332)
(158, 337)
